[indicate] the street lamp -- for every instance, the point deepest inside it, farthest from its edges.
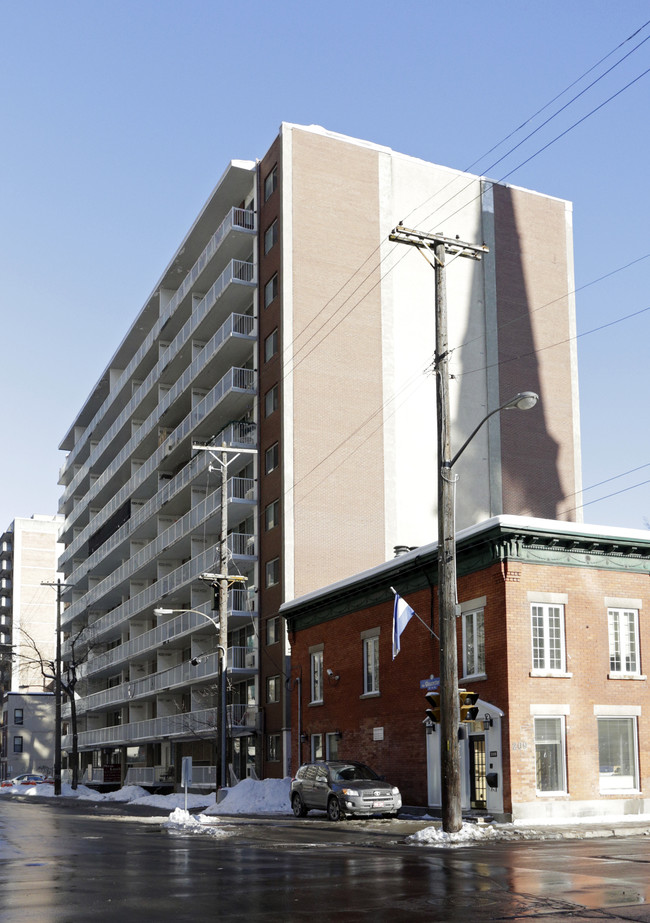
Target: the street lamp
(448, 608)
(222, 707)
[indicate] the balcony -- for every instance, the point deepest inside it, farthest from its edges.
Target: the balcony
(238, 220)
(185, 725)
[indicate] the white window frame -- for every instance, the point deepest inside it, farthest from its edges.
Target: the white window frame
(316, 676)
(476, 668)
(273, 630)
(273, 748)
(316, 742)
(607, 781)
(272, 689)
(562, 754)
(370, 647)
(623, 635)
(332, 745)
(545, 631)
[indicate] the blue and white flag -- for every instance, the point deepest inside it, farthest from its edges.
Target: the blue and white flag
(402, 614)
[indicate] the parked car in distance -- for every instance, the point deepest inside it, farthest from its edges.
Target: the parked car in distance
(26, 778)
(342, 787)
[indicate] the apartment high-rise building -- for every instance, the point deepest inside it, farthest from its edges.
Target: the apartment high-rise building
(29, 551)
(287, 322)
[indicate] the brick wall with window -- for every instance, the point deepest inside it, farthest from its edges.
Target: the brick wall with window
(560, 649)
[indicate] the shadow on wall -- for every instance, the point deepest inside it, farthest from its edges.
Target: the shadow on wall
(530, 265)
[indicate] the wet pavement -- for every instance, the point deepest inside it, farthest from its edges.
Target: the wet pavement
(67, 862)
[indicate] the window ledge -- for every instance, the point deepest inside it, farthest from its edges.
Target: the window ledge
(473, 678)
(553, 795)
(553, 674)
(626, 676)
(313, 704)
(369, 695)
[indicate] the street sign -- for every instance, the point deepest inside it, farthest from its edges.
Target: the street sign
(431, 685)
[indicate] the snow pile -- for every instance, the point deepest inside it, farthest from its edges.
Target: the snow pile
(467, 835)
(46, 790)
(250, 796)
(128, 793)
(182, 822)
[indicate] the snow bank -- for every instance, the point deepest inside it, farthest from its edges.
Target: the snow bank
(468, 834)
(250, 796)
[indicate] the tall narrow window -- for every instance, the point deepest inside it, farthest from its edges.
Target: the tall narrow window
(371, 665)
(18, 745)
(317, 753)
(617, 754)
(271, 458)
(273, 572)
(271, 290)
(272, 515)
(271, 236)
(548, 638)
(273, 748)
(550, 755)
(317, 676)
(473, 643)
(270, 183)
(271, 400)
(18, 716)
(271, 345)
(623, 641)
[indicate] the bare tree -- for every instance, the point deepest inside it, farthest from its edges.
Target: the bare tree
(79, 649)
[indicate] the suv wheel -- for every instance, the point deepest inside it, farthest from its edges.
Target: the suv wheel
(298, 808)
(334, 811)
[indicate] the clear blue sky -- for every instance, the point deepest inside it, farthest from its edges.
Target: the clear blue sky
(119, 117)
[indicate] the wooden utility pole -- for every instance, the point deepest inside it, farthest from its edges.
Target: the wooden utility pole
(448, 608)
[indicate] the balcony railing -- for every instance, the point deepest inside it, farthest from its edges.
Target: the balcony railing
(237, 219)
(239, 324)
(191, 724)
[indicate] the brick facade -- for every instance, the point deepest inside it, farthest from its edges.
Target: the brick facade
(506, 570)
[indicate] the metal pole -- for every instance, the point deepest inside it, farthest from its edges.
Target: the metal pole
(223, 621)
(57, 692)
(450, 751)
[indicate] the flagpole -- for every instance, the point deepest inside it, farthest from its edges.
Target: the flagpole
(428, 628)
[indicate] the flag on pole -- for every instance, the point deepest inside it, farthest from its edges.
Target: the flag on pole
(402, 614)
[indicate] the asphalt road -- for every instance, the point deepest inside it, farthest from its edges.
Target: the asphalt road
(63, 862)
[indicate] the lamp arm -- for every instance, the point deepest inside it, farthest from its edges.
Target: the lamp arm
(453, 461)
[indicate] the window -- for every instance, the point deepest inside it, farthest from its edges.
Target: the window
(473, 643)
(273, 748)
(317, 747)
(18, 716)
(623, 640)
(271, 345)
(271, 183)
(271, 401)
(617, 750)
(332, 746)
(272, 515)
(272, 688)
(548, 638)
(18, 745)
(271, 290)
(549, 755)
(371, 665)
(317, 676)
(271, 236)
(273, 572)
(271, 458)
(273, 630)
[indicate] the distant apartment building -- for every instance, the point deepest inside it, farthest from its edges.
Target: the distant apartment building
(286, 322)
(27, 743)
(29, 553)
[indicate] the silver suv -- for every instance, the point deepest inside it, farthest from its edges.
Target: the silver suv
(342, 787)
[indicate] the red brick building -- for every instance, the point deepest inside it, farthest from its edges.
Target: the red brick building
(551, 635)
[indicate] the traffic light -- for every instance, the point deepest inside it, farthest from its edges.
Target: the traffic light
(468, 707)
(433, 712)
